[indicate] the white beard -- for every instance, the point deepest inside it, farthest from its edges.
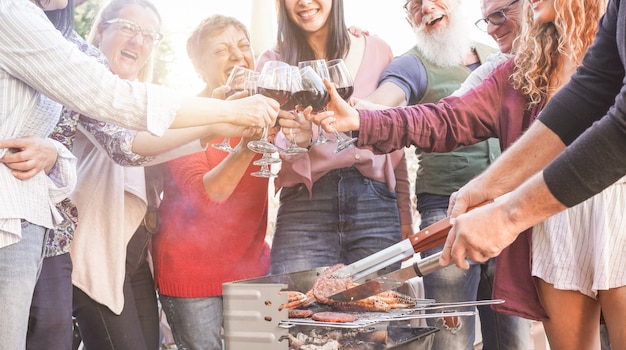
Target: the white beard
(445, 47)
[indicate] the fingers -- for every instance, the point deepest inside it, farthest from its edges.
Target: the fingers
(332, 91)
(25, 175)
(237, 95)
(446, 255)
(220, 92)
(458, 205)
(22, 165)
(255, 111)
(272, 110)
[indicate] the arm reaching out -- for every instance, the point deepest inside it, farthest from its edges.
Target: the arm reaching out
(483, 233)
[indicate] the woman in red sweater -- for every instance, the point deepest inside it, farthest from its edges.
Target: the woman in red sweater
(214, 213)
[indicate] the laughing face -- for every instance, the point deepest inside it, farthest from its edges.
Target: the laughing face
(128, 55)
(309, 15)
(223, 51)
(430, 15)
(504, 33)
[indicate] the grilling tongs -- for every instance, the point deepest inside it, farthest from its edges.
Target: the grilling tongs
(426, 238)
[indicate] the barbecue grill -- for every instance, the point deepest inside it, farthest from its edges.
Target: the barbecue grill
(252, 319)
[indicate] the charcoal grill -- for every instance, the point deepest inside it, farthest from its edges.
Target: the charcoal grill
(252, 319)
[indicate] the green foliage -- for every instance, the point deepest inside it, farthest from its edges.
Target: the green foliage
(164, 55)
(84, 16)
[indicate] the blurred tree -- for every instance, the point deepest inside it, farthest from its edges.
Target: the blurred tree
(85, 11)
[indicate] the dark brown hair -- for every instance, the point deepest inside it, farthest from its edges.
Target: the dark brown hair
(293, 46)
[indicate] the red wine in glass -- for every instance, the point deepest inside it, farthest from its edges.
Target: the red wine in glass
(339, 75)
(316, 98)
(345, 92)
(290, 105)
(281, 96)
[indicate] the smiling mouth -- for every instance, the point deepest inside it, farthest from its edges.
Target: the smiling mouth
(308, 13)
(434, 21)
(129, 55)
(502, 36)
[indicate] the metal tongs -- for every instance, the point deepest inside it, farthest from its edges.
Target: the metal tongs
(426, 238)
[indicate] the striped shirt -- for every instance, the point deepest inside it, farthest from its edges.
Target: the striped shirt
(36, 59)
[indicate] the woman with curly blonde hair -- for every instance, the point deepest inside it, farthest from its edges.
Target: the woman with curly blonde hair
(555, 35)
(547, 53)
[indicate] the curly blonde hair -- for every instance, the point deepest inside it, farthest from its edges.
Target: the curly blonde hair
(541, 48)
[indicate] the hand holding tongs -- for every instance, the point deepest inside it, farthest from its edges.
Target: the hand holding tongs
(426, 238)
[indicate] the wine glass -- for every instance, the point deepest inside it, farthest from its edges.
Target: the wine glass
(235, 80)
(273, 83)
(290, 106)
(251, 86)
(319, 67)
(341, 78)
(310, 90)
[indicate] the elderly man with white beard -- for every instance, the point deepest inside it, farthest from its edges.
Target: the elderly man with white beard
(443, 57)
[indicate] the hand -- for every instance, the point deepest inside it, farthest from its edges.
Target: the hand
(474, 193)
(339, 112)
(293, 123)
(254, 111)
(33, 154)
(356, 31)
(467, 197)
(220, 92)
(223, 93)
(407, 230)
(479, 235)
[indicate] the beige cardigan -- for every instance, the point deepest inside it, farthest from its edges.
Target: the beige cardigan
(111, 202)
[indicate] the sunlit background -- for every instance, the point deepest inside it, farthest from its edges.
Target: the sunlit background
(384, 18)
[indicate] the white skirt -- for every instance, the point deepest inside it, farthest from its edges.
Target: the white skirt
(584, 247)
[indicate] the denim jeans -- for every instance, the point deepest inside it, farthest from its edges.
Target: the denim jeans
(348, 218)
(196, 323)
(137, 326)
(50, 322)
(19, 267)
(453, 284)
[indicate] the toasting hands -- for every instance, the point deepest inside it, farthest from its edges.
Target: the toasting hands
(338, 112)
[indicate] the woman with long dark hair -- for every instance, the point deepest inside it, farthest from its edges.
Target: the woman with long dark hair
(334, 207)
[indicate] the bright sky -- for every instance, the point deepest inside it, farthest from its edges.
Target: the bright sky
(384, 18)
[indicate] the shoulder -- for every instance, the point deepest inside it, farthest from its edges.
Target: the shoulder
(483, 50)
(376, 42)
(405, 62)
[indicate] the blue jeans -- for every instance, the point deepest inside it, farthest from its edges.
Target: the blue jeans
(348, 218)
(196, 323)
(452, 284)
(137, 326)
(50, 322)
(20, 264)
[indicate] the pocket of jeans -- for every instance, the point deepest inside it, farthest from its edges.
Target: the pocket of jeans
(381, 190)
(290, 193)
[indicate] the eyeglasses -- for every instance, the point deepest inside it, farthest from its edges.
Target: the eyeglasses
(497, 17)
(413, 6)
(131, 29)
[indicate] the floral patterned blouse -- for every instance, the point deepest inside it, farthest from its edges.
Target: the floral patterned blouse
(115, 140)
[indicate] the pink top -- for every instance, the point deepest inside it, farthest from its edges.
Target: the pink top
(311, 166)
